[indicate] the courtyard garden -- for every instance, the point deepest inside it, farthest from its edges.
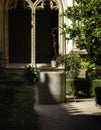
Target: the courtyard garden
(16, 91)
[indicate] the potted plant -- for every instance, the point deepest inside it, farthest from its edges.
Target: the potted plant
(32, 74)
(73, 65)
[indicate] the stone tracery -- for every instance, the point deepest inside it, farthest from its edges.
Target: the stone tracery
(33, 5)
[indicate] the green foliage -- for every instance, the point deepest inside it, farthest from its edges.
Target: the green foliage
(98, 96)
(17, 109)
(78, 87)
(73, 64)
(69, 90)
(12, 79)
(85, 28)
(92, 72)
(95, 83)
(82, 87)
(90, 65)
(32, 74)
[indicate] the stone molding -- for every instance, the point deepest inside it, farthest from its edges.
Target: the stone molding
(9, 4)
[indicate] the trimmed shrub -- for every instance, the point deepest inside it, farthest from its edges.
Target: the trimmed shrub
(95, 83)
(98, 95)
(78, 87)
(82, 87)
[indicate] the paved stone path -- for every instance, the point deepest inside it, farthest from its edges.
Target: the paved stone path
(80, 115)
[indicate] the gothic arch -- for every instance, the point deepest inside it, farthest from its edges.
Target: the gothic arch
(56, 4)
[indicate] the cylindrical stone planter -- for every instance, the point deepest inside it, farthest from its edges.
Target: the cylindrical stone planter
(51, 86)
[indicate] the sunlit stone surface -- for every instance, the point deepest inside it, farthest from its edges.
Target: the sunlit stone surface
(52, 86)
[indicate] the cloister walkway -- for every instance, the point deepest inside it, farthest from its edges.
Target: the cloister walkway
(80, 115)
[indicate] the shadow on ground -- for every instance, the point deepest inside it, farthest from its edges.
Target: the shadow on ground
(80, 115)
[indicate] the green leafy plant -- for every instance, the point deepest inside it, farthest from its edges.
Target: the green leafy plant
(85, 27)
(82, 87)
(60, 60)
(73, 64)
(32, 74)
(90, 65)
(92, 71)
(78, 87)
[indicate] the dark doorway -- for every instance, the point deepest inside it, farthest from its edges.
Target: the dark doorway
(46, 20)
(20, 35)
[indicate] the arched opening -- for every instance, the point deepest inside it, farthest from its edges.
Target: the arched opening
(46, 20)
(27, 27)
(19, 26)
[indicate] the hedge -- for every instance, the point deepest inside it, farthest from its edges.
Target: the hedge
(97, 91)
(82, 87)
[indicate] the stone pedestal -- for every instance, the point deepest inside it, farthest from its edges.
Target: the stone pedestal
(51, 86)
